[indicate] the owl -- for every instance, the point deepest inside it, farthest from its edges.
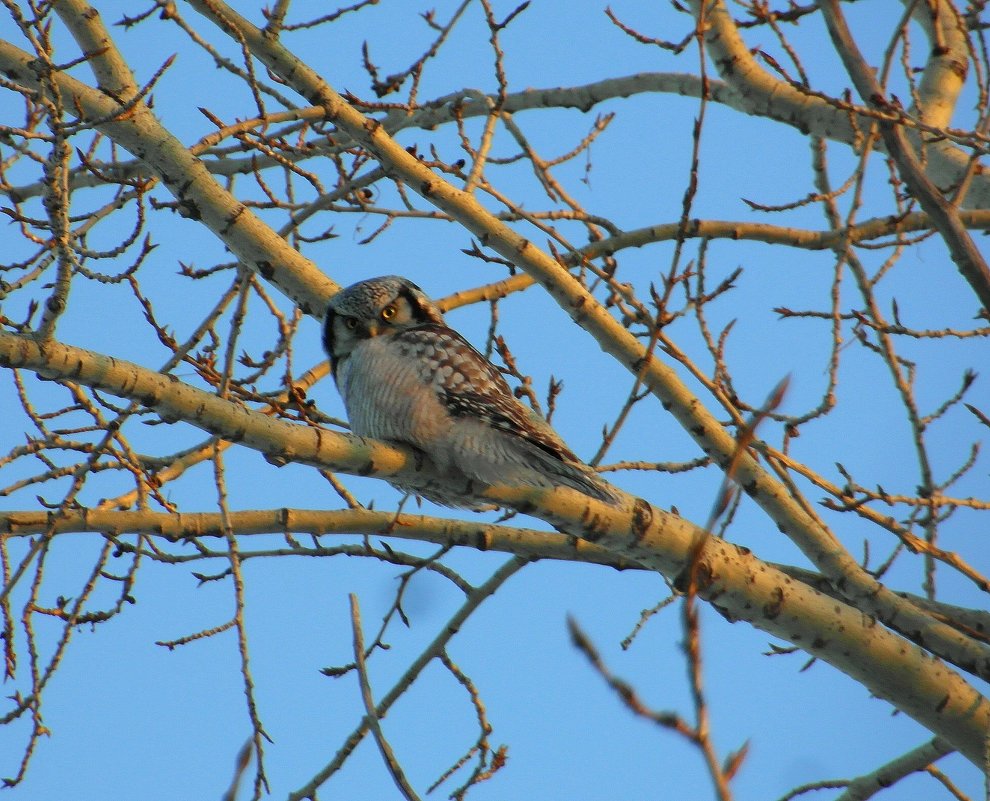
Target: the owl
(408, 378)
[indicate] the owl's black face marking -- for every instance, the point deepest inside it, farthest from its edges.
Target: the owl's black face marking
(330, 324)
(421, 308)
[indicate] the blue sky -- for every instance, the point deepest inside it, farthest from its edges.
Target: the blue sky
(131, 718)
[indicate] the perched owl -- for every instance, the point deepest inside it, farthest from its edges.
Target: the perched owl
(406, 377)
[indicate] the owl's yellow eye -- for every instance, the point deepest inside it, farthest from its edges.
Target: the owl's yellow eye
(389, 312)
(351, 323)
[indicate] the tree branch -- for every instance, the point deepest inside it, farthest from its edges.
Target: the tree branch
(737, 583)
(943, 214)
(199, 195)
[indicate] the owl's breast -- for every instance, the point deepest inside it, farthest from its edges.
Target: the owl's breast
(389, 394)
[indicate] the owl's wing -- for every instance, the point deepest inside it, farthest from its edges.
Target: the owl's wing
(470, 386)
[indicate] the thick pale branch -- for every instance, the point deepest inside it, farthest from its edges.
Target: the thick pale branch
(199, 195)
(111, 70)
(944, 76)
(174, 401)
(525, 542)
(766, 96)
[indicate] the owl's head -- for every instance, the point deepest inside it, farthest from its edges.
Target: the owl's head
(376, 307)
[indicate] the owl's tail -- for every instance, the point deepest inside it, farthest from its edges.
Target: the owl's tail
(492, 456)
(576, 475)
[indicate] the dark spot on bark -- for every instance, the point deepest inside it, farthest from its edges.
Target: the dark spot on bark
(642, 519)
(942, 704)
(367, 469)
(704, 576)
(818, 642)
(189, 209)
(426, 189)
(959, 68)
(727, 65)
(593, 528)
(265, 268)
(232, 220)
(771, 609)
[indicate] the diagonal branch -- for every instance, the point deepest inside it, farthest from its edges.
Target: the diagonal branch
(200, 197)
(944, 215)
(915, 760)
(480, 594)
(372, 718)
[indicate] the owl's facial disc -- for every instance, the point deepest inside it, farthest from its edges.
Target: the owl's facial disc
(374, 308)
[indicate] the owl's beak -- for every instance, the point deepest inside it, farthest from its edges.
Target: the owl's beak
(373, 329)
